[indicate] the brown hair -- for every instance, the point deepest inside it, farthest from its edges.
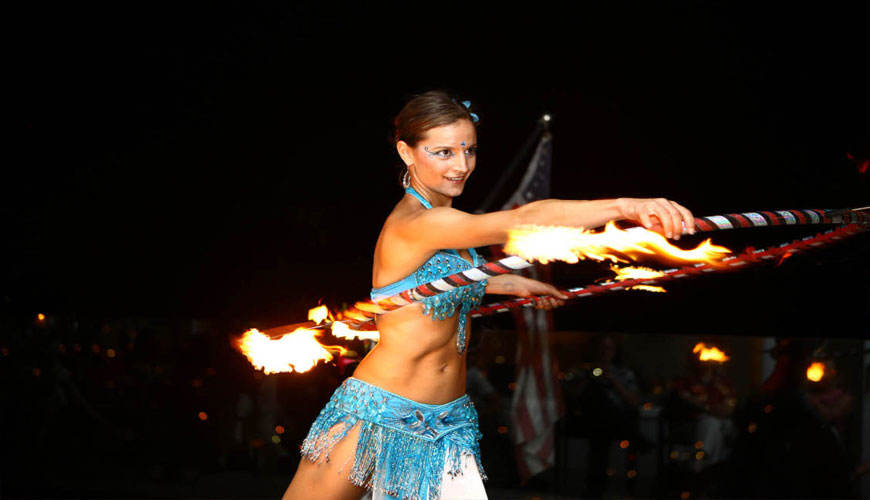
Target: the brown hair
(425, 111)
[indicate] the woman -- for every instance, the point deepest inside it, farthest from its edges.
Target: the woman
(402, 426)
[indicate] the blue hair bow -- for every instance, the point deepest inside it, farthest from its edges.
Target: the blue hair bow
(467, 105)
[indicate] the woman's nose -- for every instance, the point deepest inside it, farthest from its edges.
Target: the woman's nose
(462, 163)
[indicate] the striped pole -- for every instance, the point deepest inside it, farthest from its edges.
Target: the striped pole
(851, 220)
(745, 259)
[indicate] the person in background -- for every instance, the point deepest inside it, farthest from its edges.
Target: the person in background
(711, 399)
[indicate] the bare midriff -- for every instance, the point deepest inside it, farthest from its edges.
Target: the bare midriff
(416, 357)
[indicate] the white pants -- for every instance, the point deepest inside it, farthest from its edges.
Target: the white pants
(468, 486)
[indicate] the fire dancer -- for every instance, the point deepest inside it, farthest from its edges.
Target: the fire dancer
(403, 426)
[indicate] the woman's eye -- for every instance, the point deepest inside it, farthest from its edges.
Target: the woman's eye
(444, 153)
(471, 151)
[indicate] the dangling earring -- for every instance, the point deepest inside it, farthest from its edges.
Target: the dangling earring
(406, 180)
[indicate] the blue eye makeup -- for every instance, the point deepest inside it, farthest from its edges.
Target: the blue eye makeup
(448, 153)
(441, 153)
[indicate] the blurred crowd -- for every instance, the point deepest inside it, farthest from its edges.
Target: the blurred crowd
(108, 407)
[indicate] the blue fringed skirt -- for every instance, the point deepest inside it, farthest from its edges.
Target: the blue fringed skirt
(404, 446)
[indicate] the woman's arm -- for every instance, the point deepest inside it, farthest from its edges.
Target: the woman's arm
(444, 227)
(512, 284)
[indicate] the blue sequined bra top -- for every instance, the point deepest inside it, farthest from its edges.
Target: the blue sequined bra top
(443, 263)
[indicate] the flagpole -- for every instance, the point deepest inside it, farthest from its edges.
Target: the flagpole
(541, 126)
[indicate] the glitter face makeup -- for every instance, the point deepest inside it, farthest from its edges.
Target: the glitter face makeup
(447, 152)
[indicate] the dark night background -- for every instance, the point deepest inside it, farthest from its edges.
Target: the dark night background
(229, 162)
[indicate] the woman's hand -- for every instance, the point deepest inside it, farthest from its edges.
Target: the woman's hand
(546, 296)
(659, 215)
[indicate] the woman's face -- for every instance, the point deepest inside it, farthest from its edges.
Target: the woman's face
(441, 162)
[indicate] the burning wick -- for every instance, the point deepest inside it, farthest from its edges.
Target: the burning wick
(299, 350)
(572, 244)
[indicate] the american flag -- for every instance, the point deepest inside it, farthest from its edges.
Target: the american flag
(537, 400)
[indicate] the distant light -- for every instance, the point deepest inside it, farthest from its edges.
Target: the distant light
(61, 347)
(40, 317)
(631, 473)
(768, 408)
(547, 117)
(699, 445)
(210, 372)
(276, 439)
(499, 359)
(77, 348)
(684, 495)
(196, 383)
(4, 351)
(658, 389)
(279, 429)
(597, 372)
(675, 455)
(699, 455)
(110, 353)
(512, 385)
(95, 348)
(647, 406)
(624, 444)
(611, 472)
(203, 415)
(816, 371)
(37, 372)
(502, 429)
(752, 427)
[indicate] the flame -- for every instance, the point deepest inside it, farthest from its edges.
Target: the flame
(816, 371)
(572, 244)
(342, 331)
(367, 307)
(648, 288)
(319, 314)
(711, 353)
(297, 351)
(631, 272)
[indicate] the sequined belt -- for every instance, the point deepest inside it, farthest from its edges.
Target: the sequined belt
(432, 422)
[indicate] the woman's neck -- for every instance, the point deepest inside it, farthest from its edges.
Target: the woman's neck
(434, 199)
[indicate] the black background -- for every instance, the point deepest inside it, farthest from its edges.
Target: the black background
(219, 160)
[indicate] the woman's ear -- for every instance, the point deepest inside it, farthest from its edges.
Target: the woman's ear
(405, 152)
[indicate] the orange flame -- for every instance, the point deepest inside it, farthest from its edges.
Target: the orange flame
(297, 351)
(342, 331)
(816, 371)
(319, 314)
(648, 288)
(711, 353)
(631, 272)
(572, 244)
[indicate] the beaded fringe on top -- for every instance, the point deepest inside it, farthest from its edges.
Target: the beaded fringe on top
(403, 445)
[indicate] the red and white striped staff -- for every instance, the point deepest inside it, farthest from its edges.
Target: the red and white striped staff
(852, 221)
(859, 218)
